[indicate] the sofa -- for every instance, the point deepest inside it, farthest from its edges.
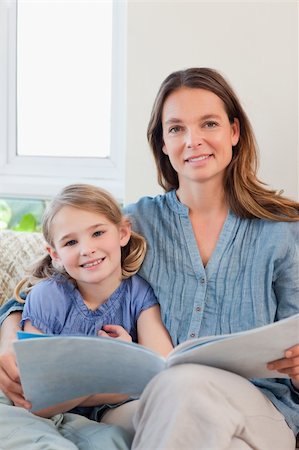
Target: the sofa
(17, 251)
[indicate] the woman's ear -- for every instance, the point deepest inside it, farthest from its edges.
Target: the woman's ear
(235, 131)
(125, 231)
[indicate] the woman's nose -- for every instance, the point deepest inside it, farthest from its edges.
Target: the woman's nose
(193, 138)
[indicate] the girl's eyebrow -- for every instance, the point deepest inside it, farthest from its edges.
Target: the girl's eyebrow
(92, 227)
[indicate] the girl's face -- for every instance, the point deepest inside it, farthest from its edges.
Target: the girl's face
(88, 246)
(197, 135)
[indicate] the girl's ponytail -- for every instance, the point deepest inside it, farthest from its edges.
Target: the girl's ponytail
(42, 269)
(133, 255)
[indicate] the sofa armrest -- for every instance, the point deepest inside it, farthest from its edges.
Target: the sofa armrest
(17, 251)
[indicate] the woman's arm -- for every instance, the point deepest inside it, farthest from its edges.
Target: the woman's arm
(288, 365)
(152, 333)
(9, 373)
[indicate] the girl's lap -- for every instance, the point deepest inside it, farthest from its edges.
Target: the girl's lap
(22, 430)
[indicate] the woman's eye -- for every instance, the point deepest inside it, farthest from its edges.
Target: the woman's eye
(70, 243)
(98, 233)
(175, 129)
(210, 124)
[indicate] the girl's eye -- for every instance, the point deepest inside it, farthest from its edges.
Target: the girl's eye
(98, 233)
(70, 243)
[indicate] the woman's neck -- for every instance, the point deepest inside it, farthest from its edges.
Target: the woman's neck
(203, 199)
(207, 213)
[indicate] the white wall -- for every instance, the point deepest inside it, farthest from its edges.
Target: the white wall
(254, 44)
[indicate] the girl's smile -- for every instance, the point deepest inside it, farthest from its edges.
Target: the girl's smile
(91, 264)
(88, 246)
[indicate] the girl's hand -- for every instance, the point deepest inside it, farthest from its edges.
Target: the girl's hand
(288, 365)
(116, 332)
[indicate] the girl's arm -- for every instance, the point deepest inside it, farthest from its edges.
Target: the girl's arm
(9, 373)
(151, 331)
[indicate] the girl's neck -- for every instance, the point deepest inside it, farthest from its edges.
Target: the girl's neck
(96, 294)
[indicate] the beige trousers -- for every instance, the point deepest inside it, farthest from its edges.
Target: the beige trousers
(193, 407)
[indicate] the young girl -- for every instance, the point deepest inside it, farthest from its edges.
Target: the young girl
(87, 282)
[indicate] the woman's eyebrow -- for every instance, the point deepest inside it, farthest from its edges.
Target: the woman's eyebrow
(204, 117)
(173, 120)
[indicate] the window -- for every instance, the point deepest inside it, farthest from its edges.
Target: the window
(62, 118)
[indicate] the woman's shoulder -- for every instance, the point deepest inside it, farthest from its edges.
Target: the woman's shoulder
(145, 203)
(276, 236)
(281, 229)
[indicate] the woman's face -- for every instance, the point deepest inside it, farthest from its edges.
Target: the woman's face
(198, 137)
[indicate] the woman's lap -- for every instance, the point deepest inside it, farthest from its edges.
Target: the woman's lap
(199, 407)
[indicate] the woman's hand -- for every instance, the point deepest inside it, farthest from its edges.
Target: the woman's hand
(9, 372)
(288, 365)
(116, 332)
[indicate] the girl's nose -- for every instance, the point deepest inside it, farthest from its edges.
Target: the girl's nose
(87, 251)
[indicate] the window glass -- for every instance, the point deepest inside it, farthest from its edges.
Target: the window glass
(64, 59)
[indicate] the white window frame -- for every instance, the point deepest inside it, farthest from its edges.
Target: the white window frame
(42, 177)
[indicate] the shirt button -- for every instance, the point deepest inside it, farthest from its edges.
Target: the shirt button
(202, 280)
(198, 308)
(192, 335)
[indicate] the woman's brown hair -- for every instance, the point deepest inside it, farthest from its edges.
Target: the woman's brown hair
(246, 194)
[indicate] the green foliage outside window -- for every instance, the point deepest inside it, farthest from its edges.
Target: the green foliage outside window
(21, 214)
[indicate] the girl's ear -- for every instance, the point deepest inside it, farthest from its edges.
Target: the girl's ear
(52, 252)
(125, 230)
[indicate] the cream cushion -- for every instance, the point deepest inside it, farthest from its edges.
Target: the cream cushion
(17, 251)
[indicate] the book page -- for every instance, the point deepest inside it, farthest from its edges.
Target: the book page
(245, 353)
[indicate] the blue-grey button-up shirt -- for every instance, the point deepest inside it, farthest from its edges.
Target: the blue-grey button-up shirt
(251, 279)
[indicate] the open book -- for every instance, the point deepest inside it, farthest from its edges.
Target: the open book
(58, 368)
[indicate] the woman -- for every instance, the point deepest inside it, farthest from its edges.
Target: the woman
(222, 257)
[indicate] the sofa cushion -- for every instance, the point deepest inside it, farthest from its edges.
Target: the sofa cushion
(17, 251)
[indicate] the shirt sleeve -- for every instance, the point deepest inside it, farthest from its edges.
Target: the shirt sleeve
(143, 296)
(44, 307)
(9, 307)
(286, 276)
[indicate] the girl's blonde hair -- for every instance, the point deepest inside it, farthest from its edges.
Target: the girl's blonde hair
(246, 195)
(89, 198)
